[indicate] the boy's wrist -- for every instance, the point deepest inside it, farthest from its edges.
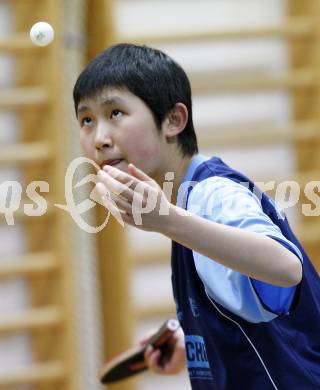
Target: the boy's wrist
(173, 220)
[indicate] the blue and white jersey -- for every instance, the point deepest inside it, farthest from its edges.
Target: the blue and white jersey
(241, 333)
(224, 201)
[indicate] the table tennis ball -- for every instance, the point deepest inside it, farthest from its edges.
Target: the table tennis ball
(41, 34)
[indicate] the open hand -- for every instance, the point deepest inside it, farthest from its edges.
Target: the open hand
(140, 200)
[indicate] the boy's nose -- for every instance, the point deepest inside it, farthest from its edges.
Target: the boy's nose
(102, 138)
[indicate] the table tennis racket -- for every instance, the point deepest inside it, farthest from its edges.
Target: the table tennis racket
(131, 361)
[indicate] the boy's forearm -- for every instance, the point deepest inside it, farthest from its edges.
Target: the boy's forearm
(249, 253)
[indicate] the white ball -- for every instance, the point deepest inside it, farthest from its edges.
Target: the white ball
(41, 34)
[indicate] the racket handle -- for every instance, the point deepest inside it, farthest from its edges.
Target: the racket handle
(160, 341)
(164, 333)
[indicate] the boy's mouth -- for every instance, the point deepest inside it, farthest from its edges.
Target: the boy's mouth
(110, 162)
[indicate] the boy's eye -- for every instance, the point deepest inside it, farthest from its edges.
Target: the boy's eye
(86, 121)
(116, 113)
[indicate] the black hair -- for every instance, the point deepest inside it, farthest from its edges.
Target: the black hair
(148, 73)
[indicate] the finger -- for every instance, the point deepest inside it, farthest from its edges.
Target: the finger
(171, 365)
(138, 173)
(121, 203)
(147, 353)
(109, 204)
(115, 186)
(121, 176)
(98, 193)
(115, 211)
(145, 341)
(154, 361)
(151, 355)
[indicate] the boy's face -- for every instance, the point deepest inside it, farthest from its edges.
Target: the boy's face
(117, 128)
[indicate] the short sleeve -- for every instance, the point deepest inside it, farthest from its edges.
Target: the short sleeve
(227, 202)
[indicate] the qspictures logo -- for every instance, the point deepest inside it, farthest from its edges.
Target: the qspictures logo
(11, 196)
(287, 195)
(77, 210)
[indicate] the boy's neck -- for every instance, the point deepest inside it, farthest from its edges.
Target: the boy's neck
(179, 168)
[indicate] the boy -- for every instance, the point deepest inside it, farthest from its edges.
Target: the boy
(250, 315)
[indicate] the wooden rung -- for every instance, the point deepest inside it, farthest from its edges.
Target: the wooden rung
(16, 43)
(301, 27)
(28, 265)
(32, 319)
(206, 82)
(148, 311)
(161, 255)
(256, 135)
(23, 153)
(35, 374)
(19, 97)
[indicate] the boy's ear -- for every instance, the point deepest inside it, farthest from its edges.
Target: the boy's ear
(176, 120)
